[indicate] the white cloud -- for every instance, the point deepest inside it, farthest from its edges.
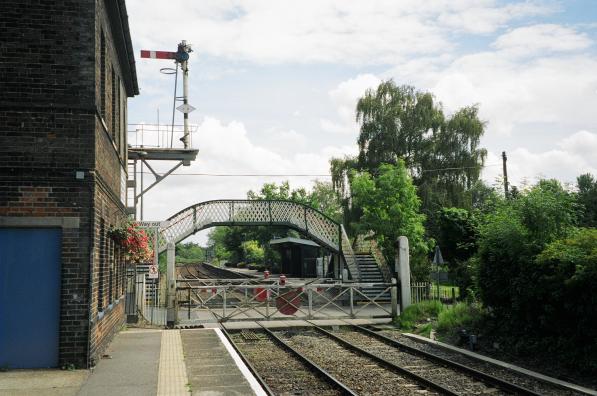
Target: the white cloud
(357, 32)
(228, 149)
(512, 93)
(344, 98)
(574, 156)
(582, 143)
(486, 17)
(543, 38)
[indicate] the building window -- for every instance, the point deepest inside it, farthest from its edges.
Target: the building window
(114, 108)
(117, 112)
(102, 264)
(103, 75)
(111, 273)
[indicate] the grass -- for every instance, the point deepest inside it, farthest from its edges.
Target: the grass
(422, 312)
(446, 320)
(461, 315)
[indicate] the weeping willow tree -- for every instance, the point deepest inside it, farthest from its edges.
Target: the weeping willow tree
(441, 153)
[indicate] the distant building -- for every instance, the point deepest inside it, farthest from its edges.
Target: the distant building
(66, 71)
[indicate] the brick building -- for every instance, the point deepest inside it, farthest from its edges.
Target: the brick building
(66, 71)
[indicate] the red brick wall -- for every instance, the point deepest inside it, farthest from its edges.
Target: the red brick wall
(50, 128)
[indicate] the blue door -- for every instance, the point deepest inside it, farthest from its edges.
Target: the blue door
(29, 297)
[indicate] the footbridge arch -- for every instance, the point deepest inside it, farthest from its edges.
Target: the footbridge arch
(307, 220)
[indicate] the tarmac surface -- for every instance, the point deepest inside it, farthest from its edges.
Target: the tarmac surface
(146, 362)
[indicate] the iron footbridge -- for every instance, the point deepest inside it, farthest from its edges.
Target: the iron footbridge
(310, 222)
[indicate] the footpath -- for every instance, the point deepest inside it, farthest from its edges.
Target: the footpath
(147, 362)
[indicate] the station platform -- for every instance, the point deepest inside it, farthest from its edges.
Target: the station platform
(148, 362)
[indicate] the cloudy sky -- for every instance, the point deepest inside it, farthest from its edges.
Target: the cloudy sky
(275, 82)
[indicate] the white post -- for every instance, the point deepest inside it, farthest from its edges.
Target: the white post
(404, 271)
(171, 282)
(185, 97)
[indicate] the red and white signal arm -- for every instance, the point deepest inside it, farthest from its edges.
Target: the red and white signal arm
(158, 54)
(153, 271)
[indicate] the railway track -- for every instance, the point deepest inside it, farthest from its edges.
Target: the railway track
(519, 379)
(453, 377)
(281, 369)
(207, 271)
(358, 361)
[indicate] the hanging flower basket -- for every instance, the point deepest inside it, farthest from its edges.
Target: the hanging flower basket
(134, 241)
(118, 235)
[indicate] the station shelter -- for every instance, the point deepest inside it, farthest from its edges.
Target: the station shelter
(300, 258)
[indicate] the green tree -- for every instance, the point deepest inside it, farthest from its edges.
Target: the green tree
(587, 198)
(253, 252)
(189, 252)
(390, 208)
(217, 243)
(457, 234)
(442, 153)
(324, 198)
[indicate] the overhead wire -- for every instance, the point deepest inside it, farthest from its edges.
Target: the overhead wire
(300, 174)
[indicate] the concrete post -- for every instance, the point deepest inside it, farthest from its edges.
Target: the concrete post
(171, 282)
(403, 271)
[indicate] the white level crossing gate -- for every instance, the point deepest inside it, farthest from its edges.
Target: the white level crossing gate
(227, 300)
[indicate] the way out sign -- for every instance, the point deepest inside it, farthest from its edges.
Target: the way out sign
(153, 271)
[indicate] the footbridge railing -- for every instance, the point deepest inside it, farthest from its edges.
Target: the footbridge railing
(305, 219)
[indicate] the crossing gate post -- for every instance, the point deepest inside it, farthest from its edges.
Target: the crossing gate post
(403, 271)
(394, 299)
(171, 314)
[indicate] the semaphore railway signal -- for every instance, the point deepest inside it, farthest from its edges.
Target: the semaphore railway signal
(181, 56)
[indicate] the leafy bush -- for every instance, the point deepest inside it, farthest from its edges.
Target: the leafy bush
(565, 310)
(510, 238)
(537, 273)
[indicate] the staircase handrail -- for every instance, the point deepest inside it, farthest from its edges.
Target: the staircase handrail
(381, 261)
(349, 256)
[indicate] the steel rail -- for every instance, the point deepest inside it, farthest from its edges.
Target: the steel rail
(476, 374)
(258, 377)
(313, 366)
(421, 380)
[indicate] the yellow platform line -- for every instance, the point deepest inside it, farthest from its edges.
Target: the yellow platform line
(172, 376)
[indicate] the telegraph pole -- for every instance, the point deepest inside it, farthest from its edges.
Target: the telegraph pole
(505, 170)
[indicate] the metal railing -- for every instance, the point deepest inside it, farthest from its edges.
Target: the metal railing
(423, 291)
(305, 219)
(145, 299)
(158, 135)
(209, 300)
(349, 256)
